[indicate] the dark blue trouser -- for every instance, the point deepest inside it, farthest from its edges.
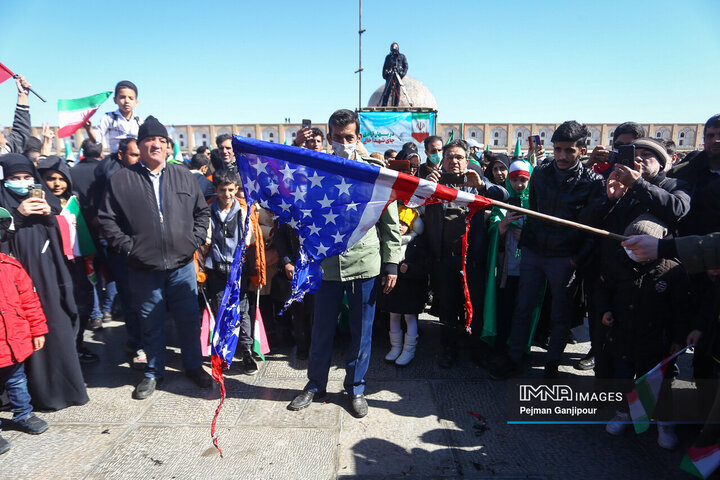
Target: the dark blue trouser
(15, 381)
(328, 301)
(119, 268)
(534, 269)
(154, 292)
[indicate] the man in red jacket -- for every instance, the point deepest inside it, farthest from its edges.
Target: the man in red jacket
(22, 331)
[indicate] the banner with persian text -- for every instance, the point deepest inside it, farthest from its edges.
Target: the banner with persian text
(390, 130)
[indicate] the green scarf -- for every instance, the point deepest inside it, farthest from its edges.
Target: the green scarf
(489, 331)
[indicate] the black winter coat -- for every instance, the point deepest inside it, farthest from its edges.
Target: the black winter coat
(704, 190)
(664, 198)
(567, 197)
(133, 226)
(20, 129)
(397, 62)
(410, 292)
(650, 305)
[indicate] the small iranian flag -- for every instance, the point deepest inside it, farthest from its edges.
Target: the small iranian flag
(76, 238)
(643, 399)
(73, 113)
(701, 462)
(177, 154)
(420, 126)
(69, 155)
(260, 342)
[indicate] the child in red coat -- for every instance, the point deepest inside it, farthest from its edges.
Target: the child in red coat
(22, 331)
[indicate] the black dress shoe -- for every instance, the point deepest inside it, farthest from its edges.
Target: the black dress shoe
(358, 405)
(201, 378)
(505, 369)
(551, 371)
(305, 398)
(146, 388)
(587, 363)
(447, 359)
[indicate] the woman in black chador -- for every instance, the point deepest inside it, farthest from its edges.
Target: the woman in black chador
(54, 376)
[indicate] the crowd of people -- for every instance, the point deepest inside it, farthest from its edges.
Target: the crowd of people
(164, 235)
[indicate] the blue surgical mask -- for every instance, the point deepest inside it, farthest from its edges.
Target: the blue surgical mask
(19, 187)
(435, 158)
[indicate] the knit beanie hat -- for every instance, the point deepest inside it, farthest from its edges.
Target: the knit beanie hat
(519, 168)
(151, 127)
(646, 224)
(647, 143)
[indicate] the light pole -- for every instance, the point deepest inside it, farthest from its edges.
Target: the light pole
(360, 69)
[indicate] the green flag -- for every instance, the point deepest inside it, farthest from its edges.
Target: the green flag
(451, 137)
(518, 150)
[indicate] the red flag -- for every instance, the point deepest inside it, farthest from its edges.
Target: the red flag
(5, 73)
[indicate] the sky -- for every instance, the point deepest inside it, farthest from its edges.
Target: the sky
(264, 61)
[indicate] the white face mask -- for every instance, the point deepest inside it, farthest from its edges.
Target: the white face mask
(344, 150)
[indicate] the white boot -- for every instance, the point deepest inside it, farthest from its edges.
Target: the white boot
(619, 422)
(667, 438)
(396, 342)
(408, 351)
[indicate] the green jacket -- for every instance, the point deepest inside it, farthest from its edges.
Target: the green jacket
(380, 246)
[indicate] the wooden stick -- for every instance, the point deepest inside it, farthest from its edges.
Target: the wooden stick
(561, 221)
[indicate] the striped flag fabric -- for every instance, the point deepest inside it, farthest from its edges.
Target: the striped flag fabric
(76, 238)
(701, 461)
(73, 113)
(642, 400)
(331, 202)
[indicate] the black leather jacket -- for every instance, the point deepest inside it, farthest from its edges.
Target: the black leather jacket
(565, 195)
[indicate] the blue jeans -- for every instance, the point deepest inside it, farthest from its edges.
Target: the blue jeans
(154, 292)
(119, 269)
(15, 381)
(328, 300)
(534, 269)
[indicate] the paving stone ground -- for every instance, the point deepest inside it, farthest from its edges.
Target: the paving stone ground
(418, 426)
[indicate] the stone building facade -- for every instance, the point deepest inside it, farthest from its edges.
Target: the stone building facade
(500, 137)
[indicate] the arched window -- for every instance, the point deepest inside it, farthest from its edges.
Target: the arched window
(271, 135)
(496, 136)
(472, 134)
